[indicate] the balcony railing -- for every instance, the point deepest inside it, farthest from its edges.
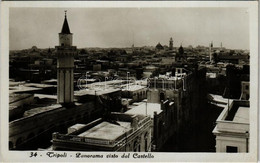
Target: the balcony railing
(74, 138)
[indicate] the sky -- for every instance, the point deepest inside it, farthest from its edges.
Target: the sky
(121, 27)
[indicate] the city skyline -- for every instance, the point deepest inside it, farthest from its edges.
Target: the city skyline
(121, 27)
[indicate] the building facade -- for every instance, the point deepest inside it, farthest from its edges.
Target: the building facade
(187, 90)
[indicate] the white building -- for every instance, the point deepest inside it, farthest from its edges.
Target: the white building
(232, 129)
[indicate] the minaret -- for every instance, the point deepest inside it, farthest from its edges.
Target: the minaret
(65, 65)
(133, 46)
(210, 51)
(171, 44)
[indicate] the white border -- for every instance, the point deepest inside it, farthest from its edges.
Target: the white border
(22, 156)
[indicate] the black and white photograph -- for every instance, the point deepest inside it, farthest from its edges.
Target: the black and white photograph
(118, 82)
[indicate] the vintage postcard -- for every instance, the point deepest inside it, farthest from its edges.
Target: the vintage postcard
(129, 81)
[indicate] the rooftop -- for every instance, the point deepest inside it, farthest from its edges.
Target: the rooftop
(146, 109)
(97, 92)
(133, 87)
(107, 130)
(16, 97)
(234, 118)
(38, 110)
(37, 85)
(22, 88)
(242, 115)
(42, 96)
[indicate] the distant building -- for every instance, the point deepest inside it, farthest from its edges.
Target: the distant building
(97, 67)
(34, 49)
(135, 92)
(232, 129)
(116, 132)
(171, 44)
(180, 56)
(210, 52)
(149, 70)
(159, 47)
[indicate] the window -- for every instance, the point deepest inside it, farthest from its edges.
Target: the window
(146, 142)
(129, 147)
(162, 96)
(231, 149)
(136, 146)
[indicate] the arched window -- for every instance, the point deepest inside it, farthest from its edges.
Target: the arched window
(129, 147)
(162, 96)
(146, 142)
(137, 147)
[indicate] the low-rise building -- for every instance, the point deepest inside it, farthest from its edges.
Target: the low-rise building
(232, 129)
(115, 132)
(135, 92)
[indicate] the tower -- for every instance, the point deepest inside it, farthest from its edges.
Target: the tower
(171, 44)
(65, 65)
(210, 51)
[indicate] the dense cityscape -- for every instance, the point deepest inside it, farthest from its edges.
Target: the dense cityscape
(161, 98)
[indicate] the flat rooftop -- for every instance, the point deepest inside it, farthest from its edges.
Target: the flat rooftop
(17, 97)
(38, 110)
(41, 96)
(145, 109)
(242, 115)
(238, 112)
(37, 85)
(133, 87)
(107, 130)
(234, 118)
(22, 88)
(83, 92)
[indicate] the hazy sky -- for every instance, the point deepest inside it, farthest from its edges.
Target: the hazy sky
(111, 27)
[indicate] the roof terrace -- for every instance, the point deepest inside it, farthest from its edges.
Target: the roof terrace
(234, 118)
